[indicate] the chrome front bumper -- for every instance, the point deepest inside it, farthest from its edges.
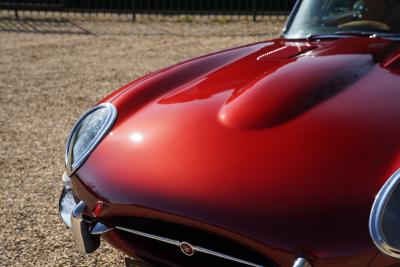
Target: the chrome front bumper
(66, 205)
(86, 233)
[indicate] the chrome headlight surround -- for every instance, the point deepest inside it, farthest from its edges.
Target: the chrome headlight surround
(108, 121)
(377, 213)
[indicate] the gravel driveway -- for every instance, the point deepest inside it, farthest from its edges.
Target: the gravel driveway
(51, 72)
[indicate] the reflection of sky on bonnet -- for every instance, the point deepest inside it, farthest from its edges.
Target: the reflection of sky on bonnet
(136, 137)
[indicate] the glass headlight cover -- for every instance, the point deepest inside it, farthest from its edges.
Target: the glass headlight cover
(384, 224)
(87, 133)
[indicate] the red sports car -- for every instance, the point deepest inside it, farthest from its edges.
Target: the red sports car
(271, 154)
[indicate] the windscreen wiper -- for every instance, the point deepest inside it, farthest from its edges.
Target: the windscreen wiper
(343, 34)
(386, 35)
(339, 34)
(370, 34)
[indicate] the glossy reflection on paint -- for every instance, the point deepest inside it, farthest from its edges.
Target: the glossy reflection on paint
(136, 137)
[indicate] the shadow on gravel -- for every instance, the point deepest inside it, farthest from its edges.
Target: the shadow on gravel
(42, 26)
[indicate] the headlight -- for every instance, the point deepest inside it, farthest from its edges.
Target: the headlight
(87, 133)
(384, 224)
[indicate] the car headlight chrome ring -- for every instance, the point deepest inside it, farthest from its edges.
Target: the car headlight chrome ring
(87, 134)
(384, 208)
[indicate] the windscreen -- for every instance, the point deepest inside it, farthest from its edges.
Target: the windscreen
(314, 17)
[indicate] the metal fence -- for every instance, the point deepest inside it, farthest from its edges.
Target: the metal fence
(254, 8)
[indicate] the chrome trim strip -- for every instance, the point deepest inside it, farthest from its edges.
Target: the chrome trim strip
(375, 219)
(291, 16)
(223, 256)
(301, 262)
(111, 117)
(196, 248)
(154, 237)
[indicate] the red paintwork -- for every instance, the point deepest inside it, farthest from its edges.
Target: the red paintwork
(281, 145)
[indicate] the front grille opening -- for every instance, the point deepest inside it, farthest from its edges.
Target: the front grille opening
(170, 255)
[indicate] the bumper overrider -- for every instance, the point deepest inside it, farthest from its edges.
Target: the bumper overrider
(86, 232)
